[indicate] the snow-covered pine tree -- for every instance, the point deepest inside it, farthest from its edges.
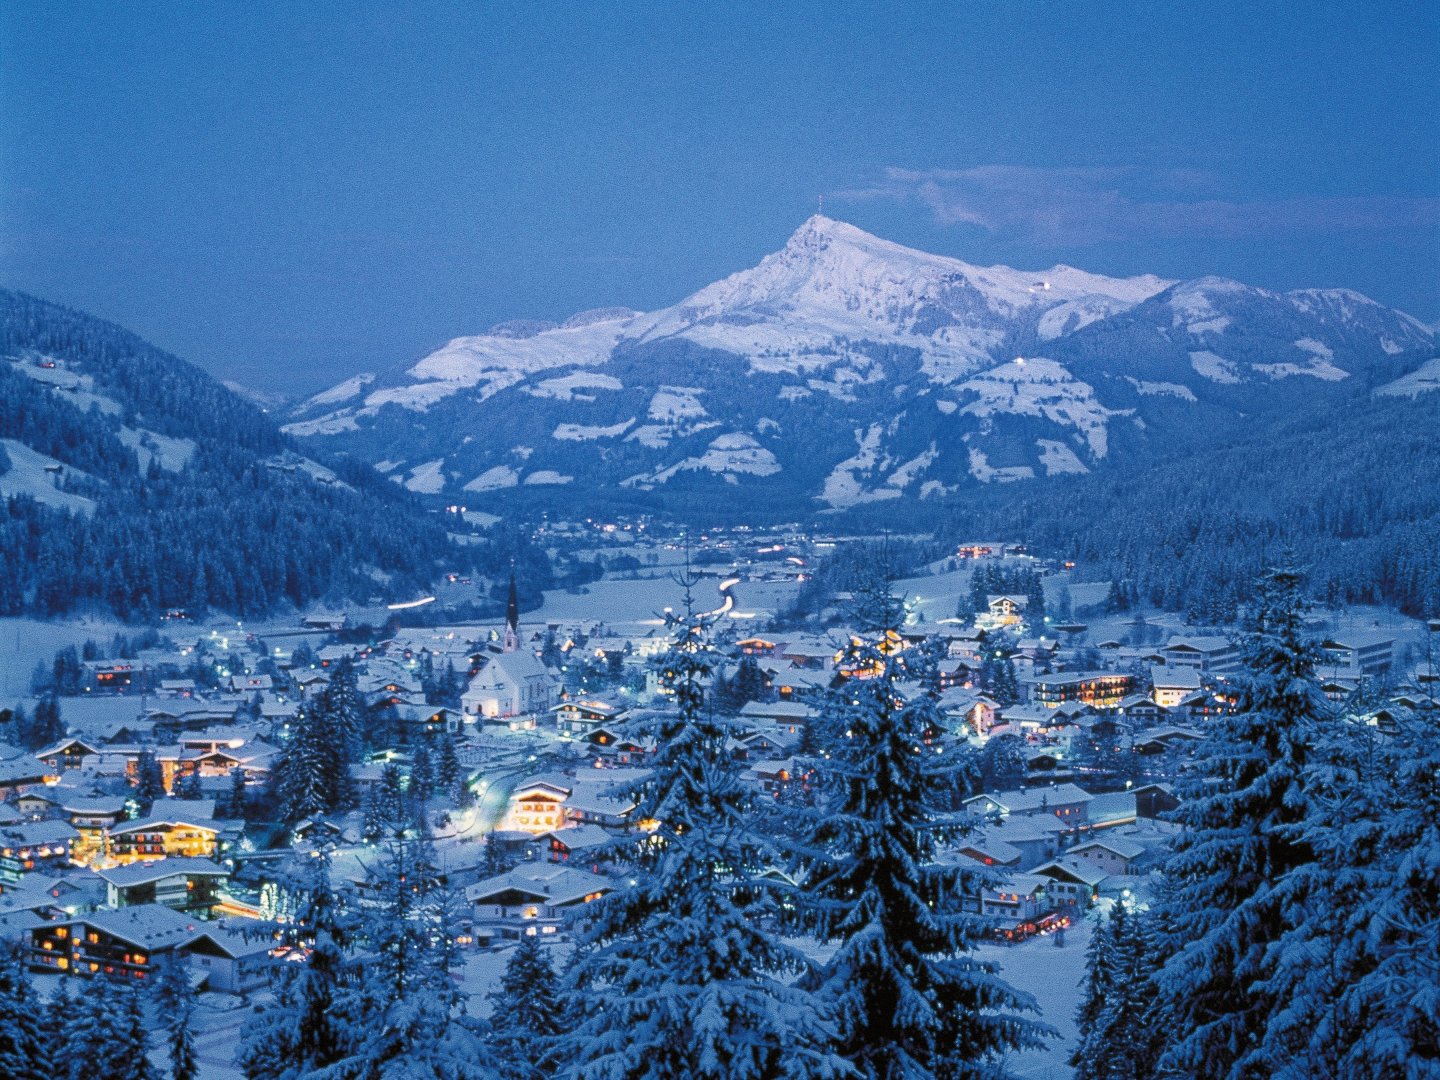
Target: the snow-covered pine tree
(681, 973)
(1239, 811)
(174, 998)
(403, 1014)
(24, 1049)
(373, 825)
(236, 800)
(1096, 988)
(447, 765)
(1119, 1034)
(313, 773)
(392, 793)
(1358, 979)
(149, 780)
(526, 1017)
(344, 709)
(911, 1000)
(106, 1035)
(300, 1032)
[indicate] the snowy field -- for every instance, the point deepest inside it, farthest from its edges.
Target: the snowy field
(1052, 976)
(23, 642)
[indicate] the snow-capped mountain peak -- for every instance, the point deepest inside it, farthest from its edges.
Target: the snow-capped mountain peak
(851, 369)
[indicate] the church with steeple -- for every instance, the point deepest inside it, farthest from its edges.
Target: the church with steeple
(513, 686)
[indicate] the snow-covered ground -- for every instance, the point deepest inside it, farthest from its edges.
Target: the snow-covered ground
(1052, 976)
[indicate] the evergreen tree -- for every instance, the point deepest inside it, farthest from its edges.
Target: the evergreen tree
(188, 787)
(313, 773)
(24, 1046)
(236, 800)
(44, 727)
(1239, 842)
(399, 1006)
(526, 1018)
(679, 974)
(1358, 976)
(175, 1005)
(149, 780)
(303, 1032)
(1119, 1032)
(372, 827)
(448, 775)
(344, 710)
(1096, 990)
(391, 800)
(422, 770)
(910, 998)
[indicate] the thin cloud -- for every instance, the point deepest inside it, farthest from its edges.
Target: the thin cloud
(1080, 205)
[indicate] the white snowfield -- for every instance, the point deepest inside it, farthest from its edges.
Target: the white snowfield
(1422, 380)
(1039, 387)
(37, 475)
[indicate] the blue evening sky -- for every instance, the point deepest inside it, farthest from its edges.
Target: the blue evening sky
(287, 193)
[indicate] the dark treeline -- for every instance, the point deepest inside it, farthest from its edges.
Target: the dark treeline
(234, 529)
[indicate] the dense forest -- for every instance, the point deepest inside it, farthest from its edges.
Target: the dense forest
(242, 523)
(1349, 493)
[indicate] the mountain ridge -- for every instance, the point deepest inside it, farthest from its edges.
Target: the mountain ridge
(774, 378)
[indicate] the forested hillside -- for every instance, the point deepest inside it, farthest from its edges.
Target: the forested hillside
(137, 483)
(1351, 492)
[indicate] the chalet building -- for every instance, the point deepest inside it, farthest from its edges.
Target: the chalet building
(537, 807)
(583, 715)
(582, 845)
(1110, 854)
(19, 772)
(1154, 800)
(1100, 689)
(116, 676)
(124, 943)
(231, 963)
(1172, 684)
(92, 818)
(532, 899)
(1365, 654)
(972, 711)
(1067, 803)
(1022, 898)
(612, 747)
(165, 836)
(811, 654)
(1142, 709)
(1208, 655)
(597, 804)
(32, 846)
(1005, 610)
(66, 754)
(194, 886)
(1166, 738)
(1072, 881)
(992, 852)
(758, 646)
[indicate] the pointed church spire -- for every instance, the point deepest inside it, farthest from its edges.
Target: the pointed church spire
(512, 617)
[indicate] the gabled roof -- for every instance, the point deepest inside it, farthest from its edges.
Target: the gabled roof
(38, 832)
(151, 926)
(143, 873)
(1126, 849)
(152, 822)
(548, 882)
(63, 745)
(1074, 871)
